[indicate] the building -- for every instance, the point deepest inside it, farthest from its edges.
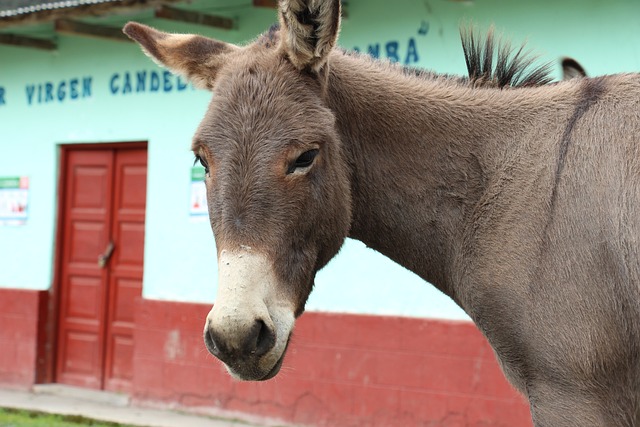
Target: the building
(95, 161)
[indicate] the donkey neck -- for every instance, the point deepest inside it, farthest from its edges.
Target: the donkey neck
(420, 150)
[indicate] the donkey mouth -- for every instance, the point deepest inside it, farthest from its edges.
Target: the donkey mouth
(245, 369)
(257, 376)
(274, 371)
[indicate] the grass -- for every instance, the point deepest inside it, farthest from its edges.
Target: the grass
(20, 418)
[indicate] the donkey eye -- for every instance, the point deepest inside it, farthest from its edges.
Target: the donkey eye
(203, 162)
(304, 161)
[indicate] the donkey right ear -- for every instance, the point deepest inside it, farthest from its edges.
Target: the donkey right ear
(309, 31)
(197, 58)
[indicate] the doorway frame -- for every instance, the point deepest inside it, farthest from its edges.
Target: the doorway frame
(48, 344)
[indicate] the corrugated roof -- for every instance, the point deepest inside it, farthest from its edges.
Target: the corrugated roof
(9, 8)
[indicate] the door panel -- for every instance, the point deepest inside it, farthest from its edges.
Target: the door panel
(104, 201)
(126, 265)
(86, 224)
(84, 299)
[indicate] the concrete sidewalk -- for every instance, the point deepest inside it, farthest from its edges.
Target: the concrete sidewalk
(106, 406)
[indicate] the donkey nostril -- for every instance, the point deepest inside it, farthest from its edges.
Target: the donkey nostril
(210, 342)
(265, 339)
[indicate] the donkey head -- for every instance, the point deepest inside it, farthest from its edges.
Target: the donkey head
(277, 179)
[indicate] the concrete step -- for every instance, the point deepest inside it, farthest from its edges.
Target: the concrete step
(107, 406)
(97, 396)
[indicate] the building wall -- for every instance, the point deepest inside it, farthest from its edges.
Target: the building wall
(179, 263)
(23, 315)
(343, 369)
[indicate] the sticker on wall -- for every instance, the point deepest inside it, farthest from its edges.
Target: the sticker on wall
(14, 197)
(198, 204)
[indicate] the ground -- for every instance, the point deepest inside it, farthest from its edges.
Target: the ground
(19, 418)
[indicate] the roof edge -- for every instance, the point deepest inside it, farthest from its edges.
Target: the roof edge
(46, 12)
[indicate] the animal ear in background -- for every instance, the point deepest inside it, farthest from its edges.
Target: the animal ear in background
(572, 69)
(309, 30)
(195, 57)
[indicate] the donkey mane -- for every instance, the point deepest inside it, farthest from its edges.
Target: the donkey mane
(511, 69)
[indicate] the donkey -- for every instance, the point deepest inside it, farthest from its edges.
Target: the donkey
(518, 200)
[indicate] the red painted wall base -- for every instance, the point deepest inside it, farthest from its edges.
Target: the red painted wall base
(341, 370)
(21, 336)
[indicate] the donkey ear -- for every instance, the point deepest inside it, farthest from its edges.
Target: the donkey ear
(195, 57)
(572, 69)
(309, 30)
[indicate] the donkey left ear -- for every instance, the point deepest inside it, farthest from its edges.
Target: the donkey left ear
(309, 31)
(195, 57)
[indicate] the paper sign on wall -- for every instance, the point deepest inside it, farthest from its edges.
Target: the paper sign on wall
(198, 207)
(14, 197)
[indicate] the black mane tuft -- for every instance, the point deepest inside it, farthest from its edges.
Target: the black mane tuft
(513, 68)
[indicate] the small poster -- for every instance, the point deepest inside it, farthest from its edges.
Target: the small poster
(198, 208)
(14, 197)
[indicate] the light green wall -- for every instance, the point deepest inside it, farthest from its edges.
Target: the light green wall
(179, 254)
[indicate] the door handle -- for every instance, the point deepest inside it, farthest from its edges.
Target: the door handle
(103, 258)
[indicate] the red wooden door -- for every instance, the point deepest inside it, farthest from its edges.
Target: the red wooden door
(103, 197)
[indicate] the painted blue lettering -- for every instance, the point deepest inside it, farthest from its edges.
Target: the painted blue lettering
(73, 88)
(2, 100)
(424, 28)
(141, 79)
(374, 50)
(166, 77)
(86, 86)
(113, 85)
(126, 87)
(180, 84)
(48, 92)
(392, 51)
(412, 53)
(39, 94)
(31, 89)
(155, 82)
(62, 93)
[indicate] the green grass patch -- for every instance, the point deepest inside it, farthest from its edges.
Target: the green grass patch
(20, 418)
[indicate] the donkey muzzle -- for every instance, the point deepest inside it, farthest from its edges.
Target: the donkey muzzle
(248, 327)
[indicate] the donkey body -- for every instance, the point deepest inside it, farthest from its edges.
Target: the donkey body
(519, 203)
